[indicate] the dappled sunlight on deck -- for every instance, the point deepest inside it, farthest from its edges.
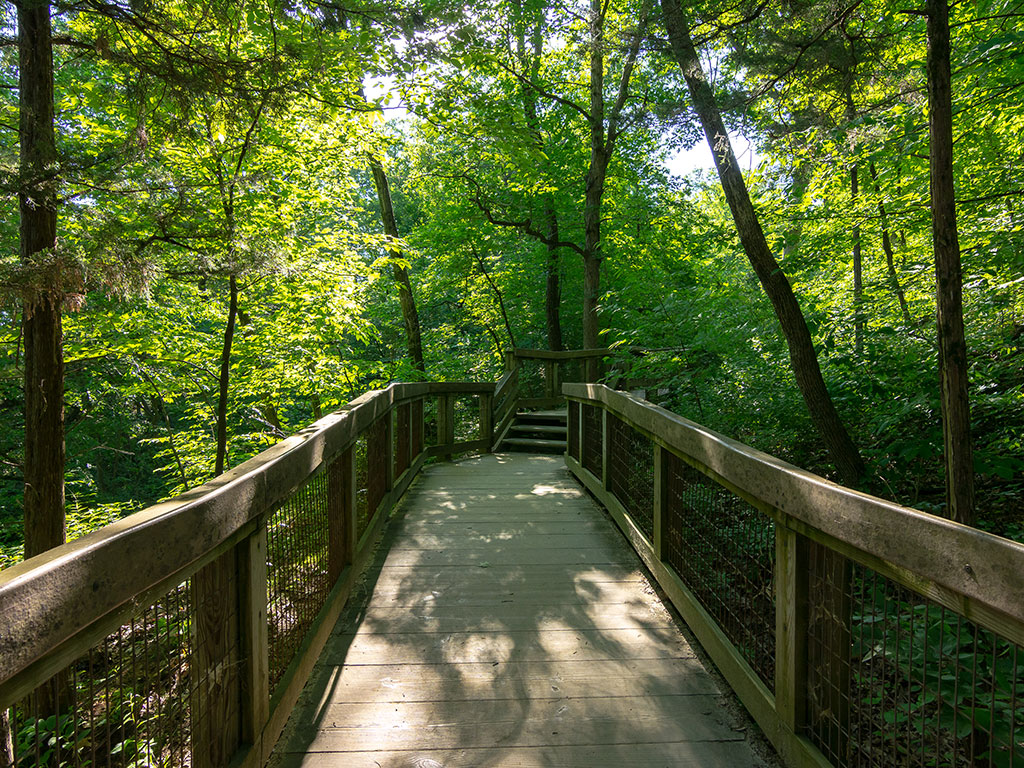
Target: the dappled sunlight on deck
(507, 623)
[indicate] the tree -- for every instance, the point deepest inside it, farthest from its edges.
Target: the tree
(953, 376)
(44, 289)
(410, 316)
(803, 357)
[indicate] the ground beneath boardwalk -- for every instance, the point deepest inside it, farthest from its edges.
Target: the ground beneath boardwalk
(507, 623)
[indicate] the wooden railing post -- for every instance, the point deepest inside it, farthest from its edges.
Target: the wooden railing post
(487, 419)
(660, 484)
(254, 641)
(792, 568)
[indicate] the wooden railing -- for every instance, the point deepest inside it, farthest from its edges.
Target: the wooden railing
(533, 379)
(182, 635)
(856, 632)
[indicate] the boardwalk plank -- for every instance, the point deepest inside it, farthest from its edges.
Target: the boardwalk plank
(508, 624)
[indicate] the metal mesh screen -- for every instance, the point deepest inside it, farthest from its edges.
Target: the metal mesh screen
(723, 549)
(895, 679)
(592, 441)
(466, 412)
(402, 441)
(416, 428)
(376, 465)
(573, 428)
(362, 485)
(136, 698)
(631, 473)
(298, 577)
(532, 379)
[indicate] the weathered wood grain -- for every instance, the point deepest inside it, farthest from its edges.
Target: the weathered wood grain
(506, 626)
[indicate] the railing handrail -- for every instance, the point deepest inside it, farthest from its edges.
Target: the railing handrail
(809, 631)
(973, 572)
(48, 600)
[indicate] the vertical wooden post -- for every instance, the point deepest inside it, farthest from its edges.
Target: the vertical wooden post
(216, 716)
(660, 482)
(792, 567)
(341, 513)
(254, 641)
(487, 419)
(510, 359)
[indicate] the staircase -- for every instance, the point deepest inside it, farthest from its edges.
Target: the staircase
(536, 432)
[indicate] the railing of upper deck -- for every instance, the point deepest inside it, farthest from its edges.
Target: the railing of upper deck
(857, 632)
(182, 635)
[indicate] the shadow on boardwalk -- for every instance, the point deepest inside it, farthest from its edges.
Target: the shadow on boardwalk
(507, 623)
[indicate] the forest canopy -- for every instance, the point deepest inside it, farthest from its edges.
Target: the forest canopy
(234, 217)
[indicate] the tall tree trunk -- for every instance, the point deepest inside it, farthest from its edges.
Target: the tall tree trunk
(802, 355)
(531, 64)
(44, 354)
(594, 189)
(498, 296)
(225, 377)
(410, 316)
(858, 270)
(553, 288)
(956, 416)
(890, 261)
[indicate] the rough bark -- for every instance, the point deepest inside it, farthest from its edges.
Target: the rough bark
(44, 357)
(858, 271)
(553, 288)
(803, 357)
(953, 378)
(890, 261)
(531, 64)
(410, 317)
(604, 132)
(225, 377)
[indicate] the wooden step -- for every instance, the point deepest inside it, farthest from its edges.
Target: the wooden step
(532, 445)
(552, 431)
(542, 417)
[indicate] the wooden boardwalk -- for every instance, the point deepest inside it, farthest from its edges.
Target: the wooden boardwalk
(507, 623)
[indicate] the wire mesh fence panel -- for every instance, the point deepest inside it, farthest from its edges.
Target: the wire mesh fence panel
(895, 679)
(416, 428)
(298, 577)
(376, 464)
(723, 549)
(573, 428)
(430, 436)
(593, 440)
(402, 438)
(466, 412)
(570, 372)
(631, 473)
(532, 379)
(131, 700)
(362, 485)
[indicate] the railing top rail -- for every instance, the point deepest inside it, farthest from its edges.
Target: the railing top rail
(48, 599)
(955, 564)
(566, 354)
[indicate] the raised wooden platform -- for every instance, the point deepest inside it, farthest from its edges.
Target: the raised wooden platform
(508, 624)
